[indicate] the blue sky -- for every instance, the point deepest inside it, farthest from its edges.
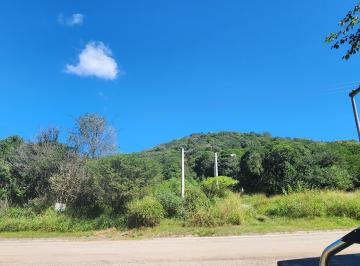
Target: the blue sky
(172, 68)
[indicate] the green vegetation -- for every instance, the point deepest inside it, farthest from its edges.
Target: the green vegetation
(315, 204)
(231, 215)
(24, 219)
(217, 186)
(264, 182)
(145, 212)
(348, 34)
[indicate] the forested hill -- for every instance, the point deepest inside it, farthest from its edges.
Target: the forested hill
(214, 142)
(264, 163)
(259, 162)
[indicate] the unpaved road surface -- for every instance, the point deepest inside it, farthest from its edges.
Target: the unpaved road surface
(242, 250)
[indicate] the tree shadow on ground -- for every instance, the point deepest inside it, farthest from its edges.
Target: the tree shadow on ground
(341, 260)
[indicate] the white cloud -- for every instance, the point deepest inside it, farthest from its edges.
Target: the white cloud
(76, 19)
(95, 60)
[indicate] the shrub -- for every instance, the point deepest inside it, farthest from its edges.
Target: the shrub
(230, 209)
(172, 204)
(226, 210)
(119, 179)
(145, 212)
(217, 186)
(105, 221)
(39, 204)
(204, 216)
(195, 199)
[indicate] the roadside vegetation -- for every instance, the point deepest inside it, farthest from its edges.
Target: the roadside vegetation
(233, 214)
(267, 184)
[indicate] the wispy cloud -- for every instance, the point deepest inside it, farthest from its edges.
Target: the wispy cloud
(95, 60)
(102, 96)
(76, 19)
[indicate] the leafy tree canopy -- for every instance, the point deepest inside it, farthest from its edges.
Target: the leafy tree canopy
(348, 35)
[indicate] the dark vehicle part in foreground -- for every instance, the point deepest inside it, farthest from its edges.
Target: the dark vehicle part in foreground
(351, 238)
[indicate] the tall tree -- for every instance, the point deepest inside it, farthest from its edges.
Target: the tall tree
(349, 33)
(93, 136)
(71, 180)
(33, 164)
(49, 135)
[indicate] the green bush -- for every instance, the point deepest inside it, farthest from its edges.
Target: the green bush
(230, 209)
(39, 204)
(204, 217)
(172, 203)
(195, 199)
(226, 210)
(145, 212)
(217, 186)
(121, 178)
(105, 221)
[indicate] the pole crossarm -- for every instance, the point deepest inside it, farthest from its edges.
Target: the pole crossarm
(354, 92)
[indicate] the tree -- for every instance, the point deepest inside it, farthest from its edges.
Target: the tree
(8, 147)
(32, 166)
(49, 135)
(171, 165)
(251, 170)
(93, 136)
(203, 164)
(286, 165)
(121, 178)
(71, 179)
(348, 34)
(228, 164)
(5, 180)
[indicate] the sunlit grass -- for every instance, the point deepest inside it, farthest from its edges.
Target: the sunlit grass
(326, 210)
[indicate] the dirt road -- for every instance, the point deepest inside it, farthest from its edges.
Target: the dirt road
(242, 250)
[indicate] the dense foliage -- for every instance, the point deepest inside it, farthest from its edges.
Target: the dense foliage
(145, 212)
(349, 33)
(217, 186)
(145, 187)
(264, 164)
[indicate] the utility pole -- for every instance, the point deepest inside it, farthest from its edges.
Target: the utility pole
(352, 95)
(182, 173)
(216, 170)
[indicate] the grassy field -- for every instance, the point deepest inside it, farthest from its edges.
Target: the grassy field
(255, 214)
(176, 228)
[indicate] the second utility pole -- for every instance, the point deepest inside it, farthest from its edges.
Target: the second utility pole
(216, 172)
(182, 173)
(352, 95)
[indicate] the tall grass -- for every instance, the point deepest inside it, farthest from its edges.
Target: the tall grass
(314, 204)
(199, 211)
(221, 211)
(16, 219)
